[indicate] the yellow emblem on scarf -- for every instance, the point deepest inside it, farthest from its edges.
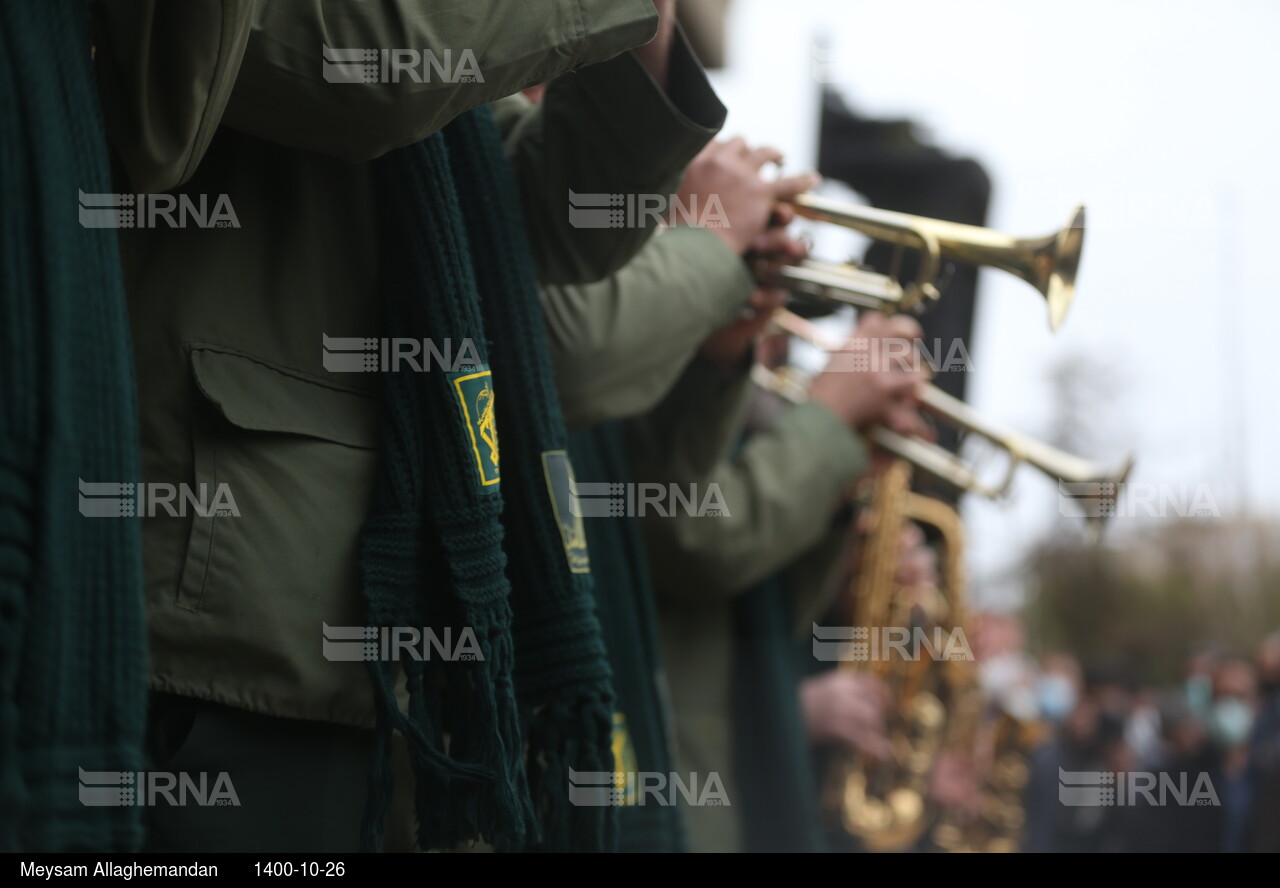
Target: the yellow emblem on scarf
(625, 765)
(558, 472)
(475, 396)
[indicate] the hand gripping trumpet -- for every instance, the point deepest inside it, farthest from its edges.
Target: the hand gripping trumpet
(938, 461)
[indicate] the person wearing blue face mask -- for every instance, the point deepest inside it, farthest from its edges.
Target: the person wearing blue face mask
(1230, 721)
(1184, 750)
(1198, 686)
(1231, 718)
(1264, 748)
(1058, 687)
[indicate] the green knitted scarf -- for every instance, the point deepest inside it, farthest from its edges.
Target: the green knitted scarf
(456, 539)
(624, 594)
(73, 672)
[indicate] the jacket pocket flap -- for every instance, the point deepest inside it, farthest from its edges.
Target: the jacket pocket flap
(254, 395)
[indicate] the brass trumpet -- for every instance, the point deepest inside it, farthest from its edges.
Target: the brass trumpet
(938, 461)
(1048, 263)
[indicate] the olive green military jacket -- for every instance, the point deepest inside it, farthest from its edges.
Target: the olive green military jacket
(780, 493)
(619, 346)
(231, 98)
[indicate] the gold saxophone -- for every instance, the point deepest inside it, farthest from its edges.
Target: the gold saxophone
(998, 746)
(938, 704)
(885, 804)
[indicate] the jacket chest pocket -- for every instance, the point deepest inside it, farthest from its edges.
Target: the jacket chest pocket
(285, 467)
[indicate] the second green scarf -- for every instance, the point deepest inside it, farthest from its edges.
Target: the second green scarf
(625, 596)
(459, 538)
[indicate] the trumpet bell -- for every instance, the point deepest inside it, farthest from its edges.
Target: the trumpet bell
(1095, 522)
(1055, 262)
(1048, 263)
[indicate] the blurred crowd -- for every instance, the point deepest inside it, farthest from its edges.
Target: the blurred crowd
(1207, 753)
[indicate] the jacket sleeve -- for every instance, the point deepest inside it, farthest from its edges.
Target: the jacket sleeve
(601, 134)
(816, 579)
(427, 62)
(165, 72)
(621, 344)
(171, 73)
(779, 495)
(693, 429)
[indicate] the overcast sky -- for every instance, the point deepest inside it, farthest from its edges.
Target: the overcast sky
(1161, 118)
